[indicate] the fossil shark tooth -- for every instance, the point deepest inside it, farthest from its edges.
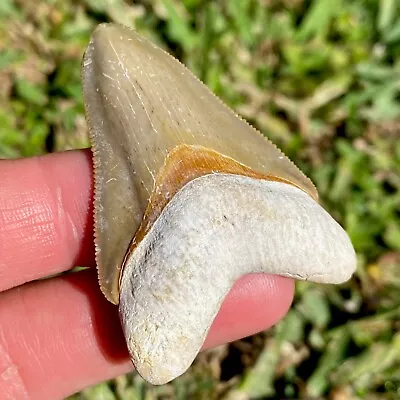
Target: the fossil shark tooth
(188, 197)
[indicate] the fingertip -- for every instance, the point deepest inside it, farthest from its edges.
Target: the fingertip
(255, 303)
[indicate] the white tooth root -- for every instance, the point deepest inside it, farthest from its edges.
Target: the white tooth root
(217, 228)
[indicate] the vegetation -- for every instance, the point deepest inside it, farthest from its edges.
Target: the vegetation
(321, 79)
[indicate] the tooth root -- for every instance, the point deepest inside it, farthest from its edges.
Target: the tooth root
(214, 230)
(183, 164)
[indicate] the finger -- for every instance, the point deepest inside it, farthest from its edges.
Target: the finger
(60, 335)
(45, 216)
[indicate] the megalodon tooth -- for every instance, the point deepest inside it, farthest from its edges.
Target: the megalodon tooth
(188, 198)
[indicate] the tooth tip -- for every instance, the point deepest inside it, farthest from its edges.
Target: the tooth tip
(109, 33)
(105, 29)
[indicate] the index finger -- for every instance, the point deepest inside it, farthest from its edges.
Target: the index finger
(46, 223)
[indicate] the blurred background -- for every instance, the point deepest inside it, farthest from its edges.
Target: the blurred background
(321, 79)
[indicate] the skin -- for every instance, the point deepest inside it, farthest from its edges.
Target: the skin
(60, 335)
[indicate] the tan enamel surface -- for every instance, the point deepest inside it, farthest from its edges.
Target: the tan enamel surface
(141, 104)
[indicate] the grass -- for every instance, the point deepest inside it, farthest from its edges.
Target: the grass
(322, 80)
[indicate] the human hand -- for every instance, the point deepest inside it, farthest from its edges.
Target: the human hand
(60, 335)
